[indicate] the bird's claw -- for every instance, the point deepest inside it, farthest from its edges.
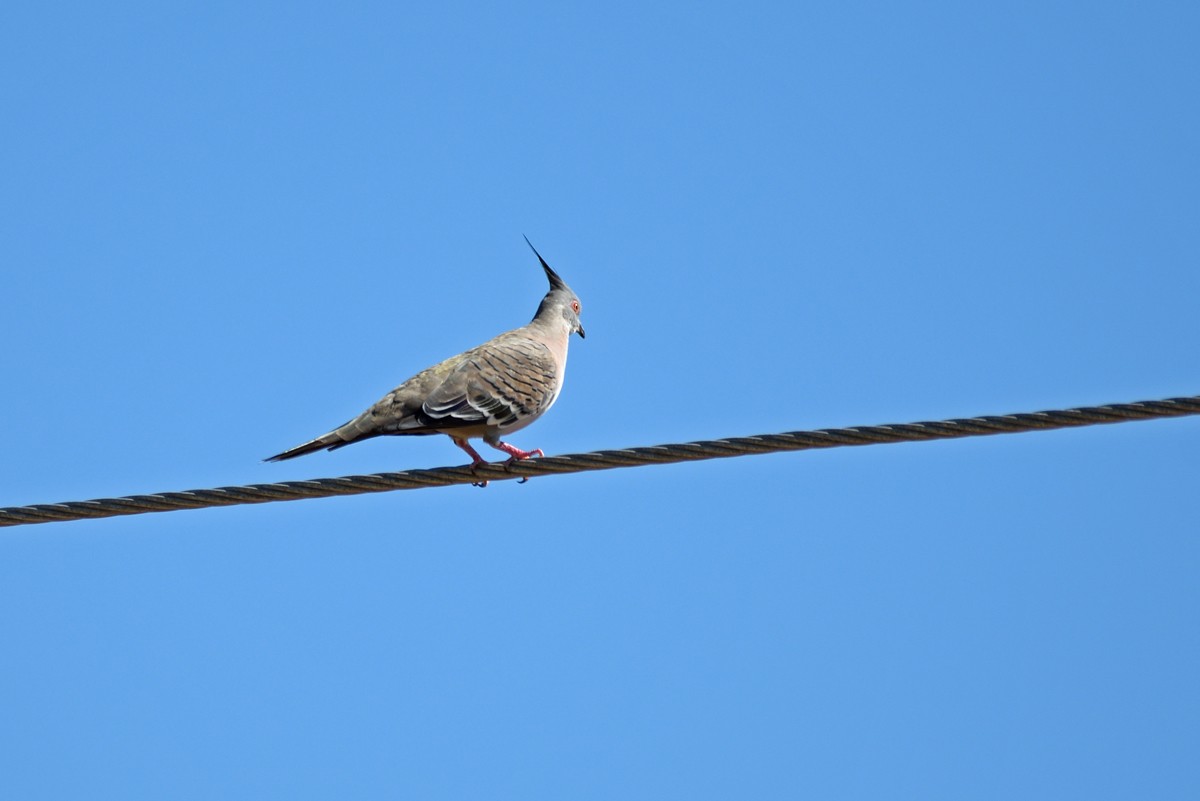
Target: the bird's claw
(475, 469)
(521, 456)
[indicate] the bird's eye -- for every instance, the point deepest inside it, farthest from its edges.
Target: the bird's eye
(575, 306)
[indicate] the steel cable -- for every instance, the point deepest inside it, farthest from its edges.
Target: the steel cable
(601, 460)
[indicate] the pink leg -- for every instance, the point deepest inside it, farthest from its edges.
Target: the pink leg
(515, 452)
(476, 459)
(466, 446)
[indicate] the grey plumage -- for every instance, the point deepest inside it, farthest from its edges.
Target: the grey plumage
(496, 388)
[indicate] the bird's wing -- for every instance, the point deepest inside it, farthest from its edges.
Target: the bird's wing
(495, 385)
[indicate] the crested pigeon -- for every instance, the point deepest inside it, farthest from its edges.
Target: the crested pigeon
(498, 387)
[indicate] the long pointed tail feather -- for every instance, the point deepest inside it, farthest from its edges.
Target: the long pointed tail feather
(360, 428)
(324, 442)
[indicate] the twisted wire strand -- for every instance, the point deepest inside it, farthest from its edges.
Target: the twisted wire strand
(602, 460)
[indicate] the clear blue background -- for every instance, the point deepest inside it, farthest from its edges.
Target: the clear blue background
(226, 228)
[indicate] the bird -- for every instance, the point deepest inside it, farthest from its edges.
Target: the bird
(490, 390)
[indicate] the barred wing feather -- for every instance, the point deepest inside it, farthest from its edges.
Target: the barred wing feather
(497, 386)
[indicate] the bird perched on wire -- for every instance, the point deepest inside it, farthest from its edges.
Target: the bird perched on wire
(496, 388)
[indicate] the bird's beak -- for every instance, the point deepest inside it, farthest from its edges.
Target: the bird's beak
(580, 332)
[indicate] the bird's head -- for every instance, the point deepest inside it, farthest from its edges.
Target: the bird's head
(560, 300)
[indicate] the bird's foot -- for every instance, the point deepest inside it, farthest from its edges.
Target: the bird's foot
(476, 459)
(515, 454)
(482, 484)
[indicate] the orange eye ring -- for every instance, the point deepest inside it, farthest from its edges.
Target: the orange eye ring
(575, 306)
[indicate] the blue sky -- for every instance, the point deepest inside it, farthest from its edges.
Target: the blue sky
(225, 229)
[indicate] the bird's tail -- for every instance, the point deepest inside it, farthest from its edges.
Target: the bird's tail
(323, 442)
(361, 427)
